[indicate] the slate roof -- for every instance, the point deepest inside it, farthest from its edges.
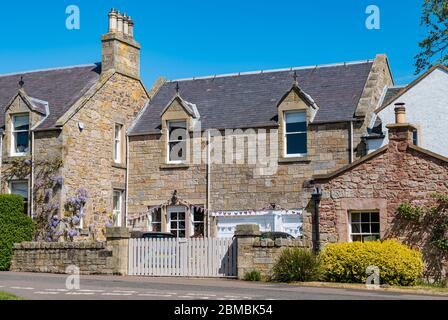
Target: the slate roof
(251, 99)
(61, 88)
(390, 93)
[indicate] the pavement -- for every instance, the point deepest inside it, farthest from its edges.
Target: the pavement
(53, 287)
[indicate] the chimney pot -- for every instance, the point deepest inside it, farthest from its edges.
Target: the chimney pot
(400, 113)
(131, 27)
(125, 24)
(112, 21)
(120, 22)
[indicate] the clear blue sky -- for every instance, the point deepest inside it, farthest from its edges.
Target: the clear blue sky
(194, 38)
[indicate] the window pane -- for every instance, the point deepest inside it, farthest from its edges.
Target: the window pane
(182, 216)
(20, 188)
(181, 233)
(295, 117)
(156, 227)
(357, 238)
(198, 216)
(296, 122)
(356, 228)
(156, 216)
(22, 142)
(199, 229)
(365, 217)
(375, 228)
(117, 200)
(297, 143)
(177, 130)
(173, 225)
(356, 217)
(370, 238)
(366, 228)
(21, 123)
(375, 217)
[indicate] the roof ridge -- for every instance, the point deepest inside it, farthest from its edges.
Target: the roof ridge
(49, 69)
(237, 74)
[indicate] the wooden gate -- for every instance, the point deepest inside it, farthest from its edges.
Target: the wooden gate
(183, 257)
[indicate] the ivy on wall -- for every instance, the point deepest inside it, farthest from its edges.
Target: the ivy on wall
(433, 219)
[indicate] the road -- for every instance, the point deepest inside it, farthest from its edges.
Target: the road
(52, 287)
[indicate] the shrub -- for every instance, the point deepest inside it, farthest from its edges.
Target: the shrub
(252, 276)
(295, 264)
(348, 262)
(409, 212)
(15, 227)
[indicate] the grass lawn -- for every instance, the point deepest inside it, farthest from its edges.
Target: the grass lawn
(8, 296)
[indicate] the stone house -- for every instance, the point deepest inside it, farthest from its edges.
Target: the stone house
(77, 116)
(196, 139)
(360, 201)
(426, 102)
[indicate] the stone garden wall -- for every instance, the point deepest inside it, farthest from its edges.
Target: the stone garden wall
(260, 255)
(92, 258)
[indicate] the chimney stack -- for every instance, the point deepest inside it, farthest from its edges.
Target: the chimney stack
(120, 50)
(401, 131)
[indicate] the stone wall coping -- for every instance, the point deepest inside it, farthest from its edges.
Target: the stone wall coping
(60, 245)
(247, 230)
(279, 243)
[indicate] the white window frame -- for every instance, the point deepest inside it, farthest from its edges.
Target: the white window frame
(285, 136)
(169, 141)
(27, 188)
(118, 212)
(13, 135)
(178, 209)
(362, 234)
(118, 143)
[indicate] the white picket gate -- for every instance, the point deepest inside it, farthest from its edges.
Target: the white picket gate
(183, 257)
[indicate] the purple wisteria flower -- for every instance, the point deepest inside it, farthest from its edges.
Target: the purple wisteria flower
(54, 222)
(27, 162)
(109, 224)
(76, 220)
(48, 194)
(39, 183)
(73, 233)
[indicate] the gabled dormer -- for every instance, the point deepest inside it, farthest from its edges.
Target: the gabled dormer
(296, 110)
(179, 119)
(22, 114)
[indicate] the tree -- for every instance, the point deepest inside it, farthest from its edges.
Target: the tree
(434, 46)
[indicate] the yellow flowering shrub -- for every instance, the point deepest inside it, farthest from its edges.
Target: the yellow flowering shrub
(348, 262)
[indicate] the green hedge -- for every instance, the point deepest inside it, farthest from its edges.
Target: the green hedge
(15, 227)
(348, 262)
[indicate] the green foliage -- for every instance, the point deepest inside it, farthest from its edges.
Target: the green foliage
(409, 212)
(15, 227)
(8, 297)
(295, 264)
(253, 276)
(348, 262)
(434, 46)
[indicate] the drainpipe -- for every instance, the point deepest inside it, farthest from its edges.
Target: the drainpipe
(32, 176)
(317, 197)
(209, 186)
(126, 209)
(351, 143)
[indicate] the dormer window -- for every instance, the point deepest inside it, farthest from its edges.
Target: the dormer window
(20, 134)
(177, 141)
(295, 134)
